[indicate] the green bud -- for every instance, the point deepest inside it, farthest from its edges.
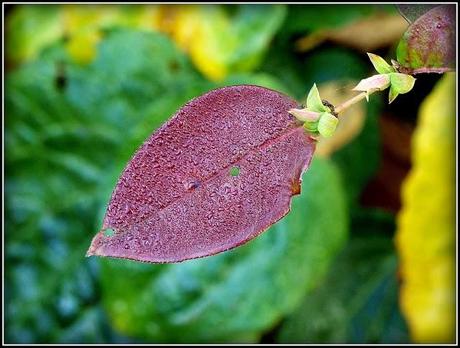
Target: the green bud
(312, 127)
(400, 84)
(314, 102)
(305, 115)
(373, 83)
(380, 64)
(327, 124)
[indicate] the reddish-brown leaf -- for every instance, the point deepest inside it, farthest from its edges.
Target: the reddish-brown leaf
(429, 43)
(219, 173)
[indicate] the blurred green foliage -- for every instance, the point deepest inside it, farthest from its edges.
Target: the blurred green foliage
(357, 302)
(70, 128)
(318, 17)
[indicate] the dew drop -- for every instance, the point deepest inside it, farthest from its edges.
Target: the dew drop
(192, 185)
(227, 189)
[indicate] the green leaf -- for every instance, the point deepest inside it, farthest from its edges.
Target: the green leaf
(380, 64)
(358, 300)
(254, 27)
(227, 39)
(392, 94)
(327, 124)
(314, 102)
(311, 127)
(236, 295)
(402, 83)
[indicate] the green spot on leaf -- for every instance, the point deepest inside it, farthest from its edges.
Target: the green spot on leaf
(109, 232)
(235, 171)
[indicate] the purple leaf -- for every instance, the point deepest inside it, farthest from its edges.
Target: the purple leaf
(219, 173)
(429, 43)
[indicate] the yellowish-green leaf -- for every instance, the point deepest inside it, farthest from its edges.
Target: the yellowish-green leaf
(314, 102)
(31, 28)
(82, 46)
(327, 124)
(392, 94)
(380, 64)
(426, 224)
(402, 83)
(219, 43)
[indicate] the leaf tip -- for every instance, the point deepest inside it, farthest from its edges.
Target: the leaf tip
(96, 244)
(380, 64)
(370, 55)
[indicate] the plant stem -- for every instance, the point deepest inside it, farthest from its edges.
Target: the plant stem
(345, 105)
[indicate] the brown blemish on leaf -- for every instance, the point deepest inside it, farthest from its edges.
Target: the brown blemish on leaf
(295, 187)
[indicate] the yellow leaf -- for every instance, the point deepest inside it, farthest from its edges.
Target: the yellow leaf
(83, 25)
(426, 224)
(82, 46)
(203, 32)
(81, 18)
(219, 42)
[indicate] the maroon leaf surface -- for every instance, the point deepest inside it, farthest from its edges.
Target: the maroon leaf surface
(219, 173)
(429, 43)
